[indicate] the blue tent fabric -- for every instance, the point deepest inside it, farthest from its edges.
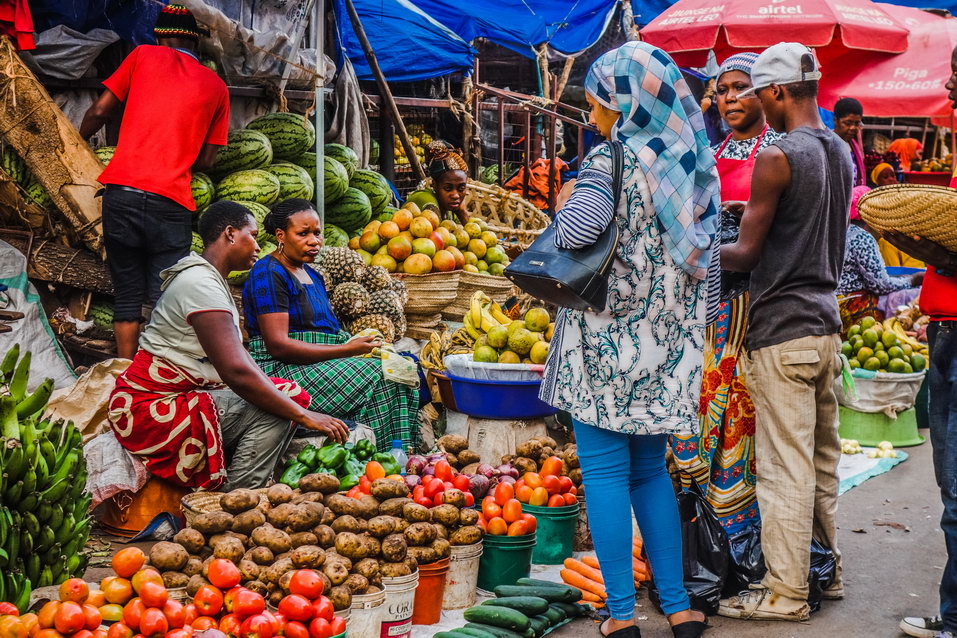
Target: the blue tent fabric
(132, 20)
(514, 26)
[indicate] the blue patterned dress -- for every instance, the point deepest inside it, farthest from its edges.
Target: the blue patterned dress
(636, 367)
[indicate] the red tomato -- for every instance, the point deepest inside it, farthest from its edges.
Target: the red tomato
(190, 615)
(556, 501)
(504, 492)
(539, 497)
(428, 478)
(133, 612)
(433, 488)
(69, 618)
(92, 617)
(180, 633)
(565, 484)
(469, 499)
(9, 609)
(154, 595)
(222, 573)
(570, 499)
(295, 629)
(573, 490)
(523, 493)
(424, 501)
(497, 526)
(483, 525)
(203, 623)
(320, 628)
(99, 633)
(338, 626)
(443, 471)
(208, 601)
(448, 485)
(83, 633)
(306, 582)
(275, 621)
(518, 528)
(517, 484)
(490, 509)
(355, 492)
(461, 482)
(229, 599)
(532, 479)
(257, 626)
(175, 613)
(531, 523)
(230, 624)
(127, 562)
(438, 499)
(322, 608)
(418, 491)
(365, 484)
(512, 511)
(119, 630)
(551, 484)
(249, 603)
(296, 607)
(154, 623)
(552, 466)
(374, 470)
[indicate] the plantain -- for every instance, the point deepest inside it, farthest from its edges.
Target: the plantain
(21, 375)
(37, 401)
(8, 364)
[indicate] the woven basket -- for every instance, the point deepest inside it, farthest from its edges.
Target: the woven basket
(498, 288)
(429, 294)
(516, 221)
(913, 209)
(421, 327)
(198, 503)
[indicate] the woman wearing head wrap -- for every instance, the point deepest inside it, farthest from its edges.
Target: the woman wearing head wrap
(450, 179)
(909, 150)
(631, 375)
(720, 454)
(883, 175)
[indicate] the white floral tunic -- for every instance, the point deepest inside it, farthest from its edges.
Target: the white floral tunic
(636, 367)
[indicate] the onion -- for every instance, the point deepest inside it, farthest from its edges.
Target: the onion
(485, 470)
(438, 456)
(507, 479)
(428, 470)
(411, 480)
(508, 470)
(416, 464)
(478, 486)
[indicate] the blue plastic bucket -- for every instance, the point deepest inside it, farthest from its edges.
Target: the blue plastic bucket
(498, 399)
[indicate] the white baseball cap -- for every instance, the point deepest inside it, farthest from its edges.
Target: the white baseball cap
(783, 63)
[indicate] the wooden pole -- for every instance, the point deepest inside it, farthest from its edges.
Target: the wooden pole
(384, 91)
(320, 124)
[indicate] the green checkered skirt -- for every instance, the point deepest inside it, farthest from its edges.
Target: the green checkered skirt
(353, 388)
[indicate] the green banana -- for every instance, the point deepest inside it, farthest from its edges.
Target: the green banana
(30, 523)
(22, 601)
(51, 554)
(9, 426)
(45, 540)
(43, 472)
(53, 493)
(29, 502)
(33, 568)
(18, 382)
(82, 506)
(56, 518)
(7, 365)
(15, 462)
(46, 576)
(47, 453)
(44, 511)
(30, 481)
(37, 401)
(12, 493)
(66, 530)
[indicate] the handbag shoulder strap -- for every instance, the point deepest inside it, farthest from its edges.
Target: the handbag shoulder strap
(617, 168)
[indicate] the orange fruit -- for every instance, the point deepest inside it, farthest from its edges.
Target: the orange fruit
(128, 561)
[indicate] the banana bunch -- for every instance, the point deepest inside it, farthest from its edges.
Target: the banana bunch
(44, 507)
(894, 325)
(434, 352)
(483, 315)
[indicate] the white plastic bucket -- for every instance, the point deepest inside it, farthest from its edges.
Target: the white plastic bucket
(462, 579)
(396, 611)
(366, 619)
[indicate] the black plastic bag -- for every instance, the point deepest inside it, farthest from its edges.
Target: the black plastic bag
(822, 575)
(705, 551)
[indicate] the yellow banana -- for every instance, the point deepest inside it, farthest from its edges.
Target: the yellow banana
(470, 328)
(488, 321)
(499, 315)
(475, 310)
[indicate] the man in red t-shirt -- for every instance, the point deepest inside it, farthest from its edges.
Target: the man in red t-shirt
(175, 117)
(938, 299)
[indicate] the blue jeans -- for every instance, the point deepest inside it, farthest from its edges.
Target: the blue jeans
(942, 390)
(617, 468)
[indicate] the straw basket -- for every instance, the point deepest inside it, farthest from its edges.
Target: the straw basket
(516, 221)
(197, 503)
(429, 294)
(498, 288)
(422, 326)
(913, 209)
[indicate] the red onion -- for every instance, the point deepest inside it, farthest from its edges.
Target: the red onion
(478, 486)
(485, 470)
(411, 480)
(508, 470)
(416, 464)
(507, 479)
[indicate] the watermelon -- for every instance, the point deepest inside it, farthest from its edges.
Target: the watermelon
(335, 180)
(351, 211)
(12, 164)
(105, 154)
(37, 194)
(308, 161)
(245, 150)
(259, 213)
(238, 277)
(294, 181)
(101, 314)
(373, 151)
(290, 134)
(203, 190)
(344, 155)
(196, 245)
(254, 185)
(374, 186)
(334, 237)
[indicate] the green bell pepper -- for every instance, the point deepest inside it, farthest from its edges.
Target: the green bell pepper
(348, 482)
(388, 462)
(364, 449)
(354, 466)
(293, 473)
(309, 456)
(332, 456)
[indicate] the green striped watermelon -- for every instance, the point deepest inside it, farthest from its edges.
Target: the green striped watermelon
(203, 190)
(308, 161)
(101, 314)
(37, 194)
(334, 237)
(105, 154)
(13, 165)
(290, 134)
(196, 245)
(335, 180)
(351, 211)
(258, 210)
(344, 155)
(373, 151)
(245, 150)
(374, 186)
(294, 181)
(254, 185)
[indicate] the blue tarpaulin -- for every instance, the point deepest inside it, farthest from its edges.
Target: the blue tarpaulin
(132, 20)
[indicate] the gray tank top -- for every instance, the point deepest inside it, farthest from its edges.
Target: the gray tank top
(793, 287)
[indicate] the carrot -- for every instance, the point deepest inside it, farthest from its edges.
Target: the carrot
(583, 583)
(590, 597)
(584, 570)
(591, 561)
(598, 605)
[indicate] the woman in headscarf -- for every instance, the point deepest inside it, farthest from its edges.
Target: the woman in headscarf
(908, 150)
(720, 454)
(450, 180)
(631, 375)
(883, 175)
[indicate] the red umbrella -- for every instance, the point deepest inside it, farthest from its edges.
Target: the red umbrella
(690, 28)
(909, 84)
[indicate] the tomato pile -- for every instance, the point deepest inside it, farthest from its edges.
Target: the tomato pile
(502, 514)
(445, 486)
(547, 487)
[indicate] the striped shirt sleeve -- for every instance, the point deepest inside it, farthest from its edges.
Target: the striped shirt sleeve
(591, 206)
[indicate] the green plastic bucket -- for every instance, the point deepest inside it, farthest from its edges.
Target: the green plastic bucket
(504, 560)
(870, 429)
(556, 528)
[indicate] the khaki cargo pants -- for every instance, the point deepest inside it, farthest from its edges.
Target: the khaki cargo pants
(797, 449)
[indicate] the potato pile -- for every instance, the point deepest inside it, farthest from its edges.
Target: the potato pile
(457, 453)
(532, 453)
(352, 542)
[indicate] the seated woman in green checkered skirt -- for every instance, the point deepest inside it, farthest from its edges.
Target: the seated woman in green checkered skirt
(294, 334)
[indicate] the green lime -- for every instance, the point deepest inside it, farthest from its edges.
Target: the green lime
(872, 364)
(854, 363)
(882, 357)
(908, 368)
(878, 347)
(846, 349)
(889, 339)
(864, 354)
(857, 342)
(870, 338)
(854, 330)
(896, 365)
(895, 352)
(868, 322)
(908, 351)
(918, 362)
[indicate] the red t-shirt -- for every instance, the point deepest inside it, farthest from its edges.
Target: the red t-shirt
(938, 296)
(174, 105)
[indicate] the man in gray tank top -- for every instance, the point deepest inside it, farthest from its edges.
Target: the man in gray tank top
(792, 242)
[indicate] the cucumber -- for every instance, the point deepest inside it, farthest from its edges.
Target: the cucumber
(452, 633)
(540, 625)
(498, 632)
(572, 610)
(553, 594)
(475, 632)
(503, 617)
(574, 596)
(555, 615)
(528, 605)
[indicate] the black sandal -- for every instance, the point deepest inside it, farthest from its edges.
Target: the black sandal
(627, 632)
(689, 629)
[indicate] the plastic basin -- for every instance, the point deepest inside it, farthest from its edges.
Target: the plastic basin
(498, 399)
(870, 429)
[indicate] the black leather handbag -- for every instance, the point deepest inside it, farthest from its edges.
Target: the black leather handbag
(571, 278)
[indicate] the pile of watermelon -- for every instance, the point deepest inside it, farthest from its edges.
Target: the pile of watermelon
(353, 196)
(30, 189)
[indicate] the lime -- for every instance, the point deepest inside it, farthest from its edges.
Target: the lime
(846, 349)
(864, 354)
(896, 365)
(895, 352)
(889, 339)
(918, 362)
(878, 347)
(870, 338)
(868, 322)
(854, 363)
(854, 330)
(908, 368)
(872, 364)
(856, 342)
(908, 351)
(882, 357)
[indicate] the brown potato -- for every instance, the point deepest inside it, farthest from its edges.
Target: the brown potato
(346, 523)
(446, 514)
(368, 567)
(239, 501)
(305, 516)
(326, 583)
(467, 535)
(299, 539)
(454, 497)
(442, 547)
(508, 458)
(216, 538)
(423, 555)
(452, 459)
(394, 570)
(279, 515)
(261, 555)
(441, 531)
(332, 556)
(382, 526)
(350, 545)
(411, 561)
(309, 497)
(415, 513)
(369, 506)
(167, 556)
(452, 443)
(325, 535)
(191, 539)
(575, 474)
(341, 504)
(401, 525)
(193, 566)
(531, 449)
(323, 483)
(285, 580)
(393, 506)
(336, 572)
(341, 597)
(357, 584)
(213, 522)
(468, 457)
(274, 572)
(230, 549)
(276, 596)
(257, 586)
(194, 583)
(524, 464)
(308, 556)
(468, 516)
(247, 521)
(470, 469)
(384, 489)
(327, 517)
(373, 546)
(249, 570)
(175, 580)
(279, 493)
(394, 548)
(276, 540)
